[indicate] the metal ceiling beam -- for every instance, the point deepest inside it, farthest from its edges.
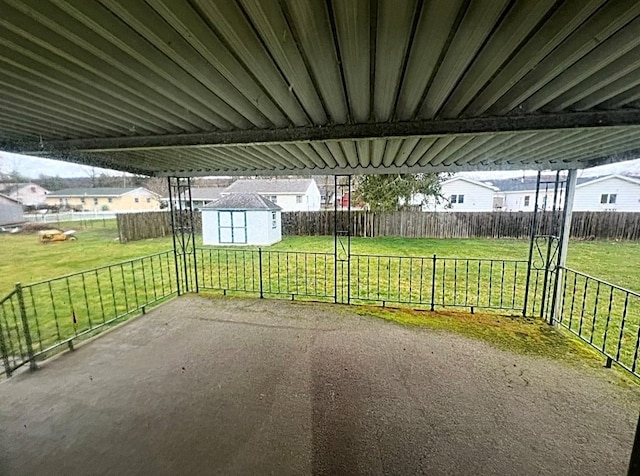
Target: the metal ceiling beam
(574, 120)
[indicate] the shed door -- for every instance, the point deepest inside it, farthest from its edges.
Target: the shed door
(232, 227)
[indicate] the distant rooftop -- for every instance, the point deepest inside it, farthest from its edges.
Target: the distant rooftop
(521, 184)
(270, 186)
(242, 201)
(205, 193)
(93, 192)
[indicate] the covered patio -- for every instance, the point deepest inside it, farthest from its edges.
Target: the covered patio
(250, 386)
(243, 87)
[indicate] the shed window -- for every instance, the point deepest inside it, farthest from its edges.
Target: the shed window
(298, 198)
(274, 222)
(527, 199)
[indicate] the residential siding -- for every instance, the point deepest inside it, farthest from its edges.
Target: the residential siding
(10, 212)
(476, 198)
(627, 195)
(121, 203)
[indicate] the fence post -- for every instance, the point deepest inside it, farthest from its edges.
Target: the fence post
(260, 271)
(433, 283)
(5, 353)
(25, 327)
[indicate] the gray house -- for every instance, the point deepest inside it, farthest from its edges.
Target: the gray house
(10, 211)
(241, 219)
(201, 196)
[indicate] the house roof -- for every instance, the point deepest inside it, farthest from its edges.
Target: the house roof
(12, 187)
(270, 186)
(633, 180)
(526, 184)
(205, 193)
(474, 182)
(242, 201)
(10, 199)
(94, 192)
(273, 88)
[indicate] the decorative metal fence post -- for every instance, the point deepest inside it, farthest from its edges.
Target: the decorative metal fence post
(25, 327)
(433, 282)
(260, 272)
(5, 353)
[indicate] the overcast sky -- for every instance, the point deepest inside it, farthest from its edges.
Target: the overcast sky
(33, 167)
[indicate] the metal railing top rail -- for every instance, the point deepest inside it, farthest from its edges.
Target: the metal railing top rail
(602, 281)
(506, 260)
(99, 268)
(7, 297)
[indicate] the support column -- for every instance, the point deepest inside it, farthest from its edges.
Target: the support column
(565, 231)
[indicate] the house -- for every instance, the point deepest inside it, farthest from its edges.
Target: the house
(518, 194)
(201, 196)
(607, 193)
(610, 193)
(29, 194)
(10, 211)
(290, 194)
(105, 199)
(460, 194)
(241, 219)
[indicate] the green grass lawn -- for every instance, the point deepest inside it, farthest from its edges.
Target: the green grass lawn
(97, 296)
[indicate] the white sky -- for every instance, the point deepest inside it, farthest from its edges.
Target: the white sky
(33, 167)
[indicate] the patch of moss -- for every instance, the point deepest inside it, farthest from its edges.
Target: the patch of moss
(513, 333)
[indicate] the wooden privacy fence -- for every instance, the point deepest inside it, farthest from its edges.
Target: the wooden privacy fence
(412, 224)
(144, 225)
(585, 225)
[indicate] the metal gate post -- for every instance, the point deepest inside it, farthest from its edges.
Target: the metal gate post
(339, 237)
(563, 246)
(25, 327)
(534, 223)
(183, 228)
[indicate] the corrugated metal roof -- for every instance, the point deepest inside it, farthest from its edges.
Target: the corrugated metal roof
(273, 186)
(238, 86)
(242, 201)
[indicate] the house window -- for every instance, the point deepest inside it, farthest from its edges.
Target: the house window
(148, 200)
(298, 198)
(82, 200)
(137, 200)
(110, 200)
(608, 198)
(457, 199)
(95, 201)
(460, 198)
(274, 222)
(526, 200)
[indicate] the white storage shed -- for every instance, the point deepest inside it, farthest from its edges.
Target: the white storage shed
(241, 219)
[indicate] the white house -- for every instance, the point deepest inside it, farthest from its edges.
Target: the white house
(518, 194)
(200, 196)
(292, 195)
(29, 194)
(610, 193)
(241, 219)
(460, 194)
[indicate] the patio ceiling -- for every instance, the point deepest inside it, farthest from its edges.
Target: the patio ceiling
(205, 87)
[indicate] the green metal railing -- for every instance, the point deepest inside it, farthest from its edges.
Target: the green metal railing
(39, 319)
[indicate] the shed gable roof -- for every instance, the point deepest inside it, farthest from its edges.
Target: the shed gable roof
(242, 201)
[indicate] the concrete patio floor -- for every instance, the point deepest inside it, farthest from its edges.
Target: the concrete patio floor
(247, 386)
